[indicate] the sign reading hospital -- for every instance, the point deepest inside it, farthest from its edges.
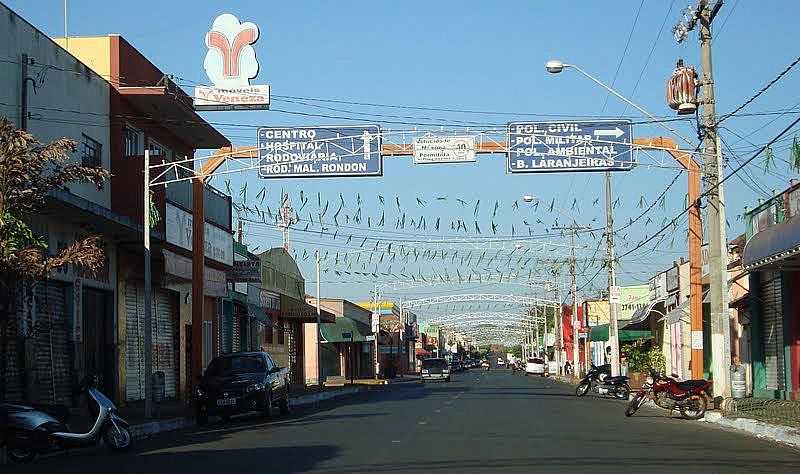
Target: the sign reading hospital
(230, 63)
(320, 152)
(570, 146)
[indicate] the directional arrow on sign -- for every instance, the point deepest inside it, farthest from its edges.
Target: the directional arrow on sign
(616, 133)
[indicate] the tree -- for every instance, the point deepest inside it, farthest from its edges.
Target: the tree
(29, 170)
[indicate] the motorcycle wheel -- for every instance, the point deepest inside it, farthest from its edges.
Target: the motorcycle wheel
(694, 408)
(636, 403)
(117, 438)
(622, 392)
(20, 455)
(582, 389)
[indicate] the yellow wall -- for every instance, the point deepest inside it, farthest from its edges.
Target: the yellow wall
(94, 51)
(598, 312)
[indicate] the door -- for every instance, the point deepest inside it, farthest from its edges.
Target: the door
(53, 345)
(98, 337)
(772, 314)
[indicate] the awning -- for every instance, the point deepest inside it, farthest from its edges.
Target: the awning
(600, 333)
(678, 313)
(292, 308)
(641, 315)
(776, 247)
(172, 108)
(420, 352)
(342, 328)
(257, 312)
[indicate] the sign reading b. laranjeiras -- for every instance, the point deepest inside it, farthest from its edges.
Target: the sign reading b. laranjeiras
(230, 63)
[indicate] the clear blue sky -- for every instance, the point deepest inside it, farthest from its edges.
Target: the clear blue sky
(474, 55)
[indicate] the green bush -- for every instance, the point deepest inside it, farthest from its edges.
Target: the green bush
(642, 358)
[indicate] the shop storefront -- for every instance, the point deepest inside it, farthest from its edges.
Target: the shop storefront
(772, 256)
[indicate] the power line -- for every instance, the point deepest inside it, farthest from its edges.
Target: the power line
(760, 92)
(624, 53)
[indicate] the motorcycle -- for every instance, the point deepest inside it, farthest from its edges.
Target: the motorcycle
(599, 380)
(27, 431)
(690, 397)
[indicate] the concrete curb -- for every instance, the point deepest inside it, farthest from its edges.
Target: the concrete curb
(149, 429)
(759, 429)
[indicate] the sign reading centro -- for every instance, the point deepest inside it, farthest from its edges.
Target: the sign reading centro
(320, 152)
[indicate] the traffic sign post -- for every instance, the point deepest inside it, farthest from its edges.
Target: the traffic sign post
(314, 152)
(535, 147)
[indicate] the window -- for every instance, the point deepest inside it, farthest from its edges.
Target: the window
(158, 150)
(91, 152)
(133, 142)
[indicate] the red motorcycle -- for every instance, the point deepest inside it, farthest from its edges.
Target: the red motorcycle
(690, 397)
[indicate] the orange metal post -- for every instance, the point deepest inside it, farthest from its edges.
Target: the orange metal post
(695, 243)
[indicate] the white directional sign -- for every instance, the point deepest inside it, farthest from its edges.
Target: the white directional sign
(444, 149)
(570, 146)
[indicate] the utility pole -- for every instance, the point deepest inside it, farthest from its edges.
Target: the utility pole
(148, 303)
(713, 168)
(613, 323)
(319, 328)
(573, 229)
(538, 349)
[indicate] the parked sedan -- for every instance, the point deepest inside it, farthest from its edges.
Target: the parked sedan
(536, 366)
(240, 383)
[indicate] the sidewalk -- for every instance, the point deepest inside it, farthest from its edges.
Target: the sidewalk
(761, 429)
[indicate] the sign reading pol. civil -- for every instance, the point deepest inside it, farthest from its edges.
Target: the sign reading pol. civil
(320, 152)
(570, 146)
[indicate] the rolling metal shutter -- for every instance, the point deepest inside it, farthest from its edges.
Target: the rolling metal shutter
(134, 344)
(11, 378)
(226, 334)
(164, 337)
(53, 346)
(163, 327)
(772, 312)
(236, 332)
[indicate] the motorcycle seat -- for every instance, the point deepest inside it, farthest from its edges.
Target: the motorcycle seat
(691, 384)
(618, 378)
(59, 412)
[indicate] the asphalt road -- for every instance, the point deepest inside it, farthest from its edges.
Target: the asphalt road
(481, 422)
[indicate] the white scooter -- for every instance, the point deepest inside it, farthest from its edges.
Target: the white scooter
(30, 430)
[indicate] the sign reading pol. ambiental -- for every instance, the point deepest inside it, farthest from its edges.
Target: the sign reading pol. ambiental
(444, 149)
(320, 152)
(570, 146)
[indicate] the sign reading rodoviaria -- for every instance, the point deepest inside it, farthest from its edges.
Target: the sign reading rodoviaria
(230, 63)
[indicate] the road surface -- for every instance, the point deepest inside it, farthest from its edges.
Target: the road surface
(481, 422)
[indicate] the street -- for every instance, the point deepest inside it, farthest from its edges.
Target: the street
(482, 421)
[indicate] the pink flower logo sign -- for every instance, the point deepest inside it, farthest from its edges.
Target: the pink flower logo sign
(230, 61)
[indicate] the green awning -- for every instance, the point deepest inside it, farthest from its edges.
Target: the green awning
(600, 333)
(336, 332)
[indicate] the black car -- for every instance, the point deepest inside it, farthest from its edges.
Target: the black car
(240, 383)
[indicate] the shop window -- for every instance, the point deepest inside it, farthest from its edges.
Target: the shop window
(91, 152)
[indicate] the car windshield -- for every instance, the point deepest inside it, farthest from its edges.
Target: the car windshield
(236, 365)
(535, 361)
(433, 363)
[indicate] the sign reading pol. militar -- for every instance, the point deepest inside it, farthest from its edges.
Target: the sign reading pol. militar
(230, 63)
(320, 152)
(570, 146)
(444, 149)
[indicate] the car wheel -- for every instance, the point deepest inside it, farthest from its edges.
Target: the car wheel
(268, 408)
(283, 405)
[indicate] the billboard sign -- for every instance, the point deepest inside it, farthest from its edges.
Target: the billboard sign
(536, 147)
(219, 242)
(444, 149)
(245, 271)
(314, 152)
(230, 63)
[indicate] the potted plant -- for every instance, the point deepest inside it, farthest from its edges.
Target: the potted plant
(642, 358)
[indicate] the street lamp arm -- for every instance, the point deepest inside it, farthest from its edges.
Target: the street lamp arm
(629, 102)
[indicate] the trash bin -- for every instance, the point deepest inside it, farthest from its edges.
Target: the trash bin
(159, 386)
(738, 381)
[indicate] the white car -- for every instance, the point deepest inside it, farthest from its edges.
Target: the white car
(536, 366)
(501, 363)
